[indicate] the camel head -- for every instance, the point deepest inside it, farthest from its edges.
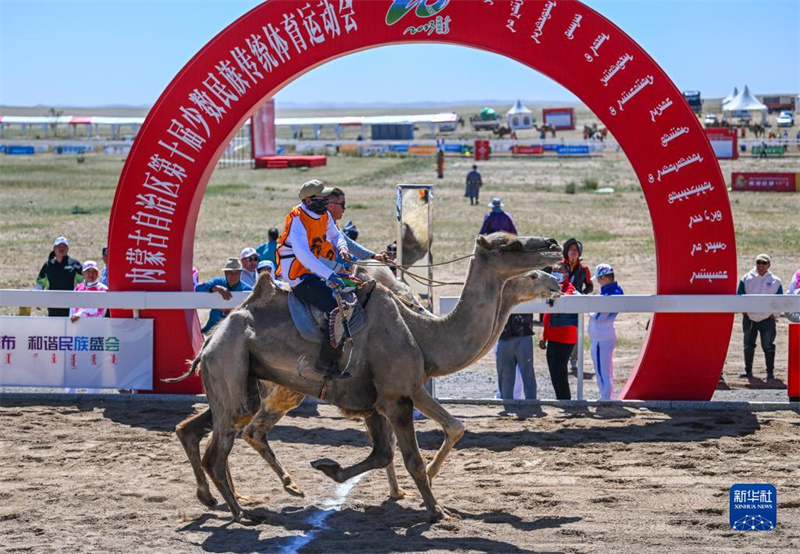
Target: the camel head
(511, 255)
(532, 285)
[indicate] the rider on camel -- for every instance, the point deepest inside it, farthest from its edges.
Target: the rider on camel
(308, 237)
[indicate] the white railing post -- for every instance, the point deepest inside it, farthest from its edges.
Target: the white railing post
(580, 356)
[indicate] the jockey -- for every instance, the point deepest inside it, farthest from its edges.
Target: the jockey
(309, 237)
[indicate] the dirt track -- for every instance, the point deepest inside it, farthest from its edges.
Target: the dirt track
(111, 477)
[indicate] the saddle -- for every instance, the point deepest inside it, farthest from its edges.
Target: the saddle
(346, 320)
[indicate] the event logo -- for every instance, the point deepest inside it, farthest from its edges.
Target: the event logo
(753, 507)
(400, 8)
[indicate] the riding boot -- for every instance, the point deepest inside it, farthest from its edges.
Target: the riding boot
(328, 362)
(748, 363)
(769, 358)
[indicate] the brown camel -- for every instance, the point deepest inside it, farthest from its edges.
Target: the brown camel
(395, 355)
(277, 401)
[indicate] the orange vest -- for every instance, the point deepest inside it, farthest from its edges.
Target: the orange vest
(317, 230)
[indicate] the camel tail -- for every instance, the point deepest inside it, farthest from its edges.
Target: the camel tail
(193, 369)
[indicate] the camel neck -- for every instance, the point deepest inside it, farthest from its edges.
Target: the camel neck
(452, 342)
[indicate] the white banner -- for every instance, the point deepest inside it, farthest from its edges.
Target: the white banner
(96, 352)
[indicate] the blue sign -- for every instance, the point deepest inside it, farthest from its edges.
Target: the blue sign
(577, 150)
(550, 147)
(398, 147)
(12, 150)
(452, 148)
(72, 149)
(753, 507)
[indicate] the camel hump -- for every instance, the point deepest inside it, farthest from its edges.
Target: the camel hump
(263, 292)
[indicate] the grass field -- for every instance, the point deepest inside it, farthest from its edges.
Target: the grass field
(45, 196)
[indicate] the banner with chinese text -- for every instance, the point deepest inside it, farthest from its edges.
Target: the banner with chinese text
(91, 352)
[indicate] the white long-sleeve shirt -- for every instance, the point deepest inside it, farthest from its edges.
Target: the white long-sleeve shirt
(298, 242)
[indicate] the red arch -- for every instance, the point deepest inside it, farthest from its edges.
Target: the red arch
(156, 205)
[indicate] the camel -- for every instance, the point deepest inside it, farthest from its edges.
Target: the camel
(396, 353)
(277, 401)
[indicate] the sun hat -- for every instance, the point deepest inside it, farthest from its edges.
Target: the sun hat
(314, 187)
(60, 240)
(247, 252)
(90, 264)
(496, 203)
(233, 265)
(763, 258)
(602, 270)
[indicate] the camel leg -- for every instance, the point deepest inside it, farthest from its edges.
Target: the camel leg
(215, 462)
(453, 428)
(190, 432)
(381, 455)
(401, 415)
(395, 490)
(280, 401)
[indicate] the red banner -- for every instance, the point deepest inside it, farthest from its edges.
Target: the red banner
(160, 190)
(483, 150)
(771, 182)
(527, 150)
(263, 130)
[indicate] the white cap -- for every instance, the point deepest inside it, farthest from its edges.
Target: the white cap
(247, 252)
(60, 240)
(90, 264)
(266, 263)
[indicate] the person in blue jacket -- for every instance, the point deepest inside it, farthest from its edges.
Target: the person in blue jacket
(231, 282)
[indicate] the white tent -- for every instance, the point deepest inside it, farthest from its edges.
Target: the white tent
(519, 117)
(731, 96)
(743, 105)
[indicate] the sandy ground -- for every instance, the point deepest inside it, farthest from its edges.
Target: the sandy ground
(101, 476)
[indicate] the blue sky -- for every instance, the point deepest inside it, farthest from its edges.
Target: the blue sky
(93, 53)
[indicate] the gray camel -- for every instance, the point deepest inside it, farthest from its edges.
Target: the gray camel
(276, 401)
(398, 352)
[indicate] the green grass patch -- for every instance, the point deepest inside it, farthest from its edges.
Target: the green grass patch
(227, 188)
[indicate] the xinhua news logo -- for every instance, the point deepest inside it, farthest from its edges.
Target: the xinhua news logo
(754, 507)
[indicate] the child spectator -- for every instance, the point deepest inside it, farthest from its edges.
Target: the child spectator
(559, 338)
(91, 275)
(602, 335)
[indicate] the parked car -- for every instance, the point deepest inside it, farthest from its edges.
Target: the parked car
(710, 120)
(785, 119)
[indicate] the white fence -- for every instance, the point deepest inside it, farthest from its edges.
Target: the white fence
(136, 301)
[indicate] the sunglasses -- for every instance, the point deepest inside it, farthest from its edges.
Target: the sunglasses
(252, 259)
(762, 263)
(342, 204)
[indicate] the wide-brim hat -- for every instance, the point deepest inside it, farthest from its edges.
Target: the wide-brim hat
(496, 203)
(314, 187)
(233, 265)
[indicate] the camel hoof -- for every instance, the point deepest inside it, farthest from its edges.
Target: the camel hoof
(247, 499)
(328, 467)
(442, 514)
(293, 489)
(400, 494)
(249, 518)
(206, 498)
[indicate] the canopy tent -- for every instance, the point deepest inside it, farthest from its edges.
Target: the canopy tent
(743, 105)
(519, 117)
(730, 96)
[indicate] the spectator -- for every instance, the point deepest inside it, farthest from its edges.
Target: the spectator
(474, 184)
(759, 280)
(794, 283)
(91, 282)
(497, 220)
(602, 335)
(440, 164)
(581, 278)
(560, 337)
(249, 258)
(266, 250)
(231, 282)
(195, 278)
(104, 275)
(266, 265)
(514, 353)
(60, 272)
(350, 230)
